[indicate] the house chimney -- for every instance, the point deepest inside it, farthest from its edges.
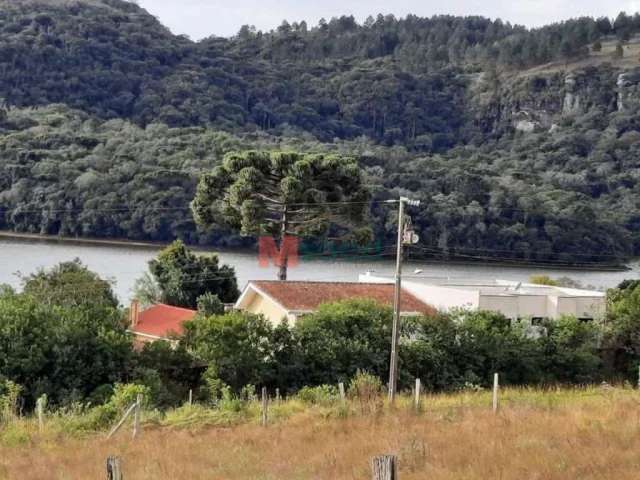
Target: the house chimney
(134, 313)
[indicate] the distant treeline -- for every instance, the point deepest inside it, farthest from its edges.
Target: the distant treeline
(429, 106)
(390, 79)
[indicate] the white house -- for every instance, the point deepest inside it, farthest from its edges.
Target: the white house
(512, 299)
(278, 301)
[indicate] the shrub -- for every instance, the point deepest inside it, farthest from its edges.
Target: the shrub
(212, 388)
(342, 338)
(543, 280)
(9, 396)
(79, 418)
(366, 388)
(64, 351)
(169, 371)
(320, 395)
(237, 343)
(124, 395)
(248, 393)
(230, 403)
(210, 304)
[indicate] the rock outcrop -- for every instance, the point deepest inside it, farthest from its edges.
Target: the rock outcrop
(571, 104)
(537, 102)
(628, 86)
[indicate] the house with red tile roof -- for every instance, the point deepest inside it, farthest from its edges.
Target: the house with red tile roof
(158, 322)
(277, 300)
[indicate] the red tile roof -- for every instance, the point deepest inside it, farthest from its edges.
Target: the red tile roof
(307, 296)
(163, 320)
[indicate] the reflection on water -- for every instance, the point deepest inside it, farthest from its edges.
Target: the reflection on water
(123, 264)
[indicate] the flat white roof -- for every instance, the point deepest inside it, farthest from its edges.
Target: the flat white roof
(492, 287)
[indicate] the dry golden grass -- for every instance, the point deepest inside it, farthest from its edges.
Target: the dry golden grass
(588, 434)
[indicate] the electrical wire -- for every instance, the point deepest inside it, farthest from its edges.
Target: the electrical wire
(123, 209)
(490, 250)
(513, 260)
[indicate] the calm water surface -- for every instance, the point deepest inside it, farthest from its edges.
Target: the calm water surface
(123, 264)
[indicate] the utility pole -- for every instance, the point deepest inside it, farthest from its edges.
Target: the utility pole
(395, 334)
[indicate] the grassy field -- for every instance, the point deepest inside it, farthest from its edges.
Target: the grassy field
(559, 434)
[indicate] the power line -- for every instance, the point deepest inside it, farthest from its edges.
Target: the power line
(456, 248)
(513, 260)
(17, 210)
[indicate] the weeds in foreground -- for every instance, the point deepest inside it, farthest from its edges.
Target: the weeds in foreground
(555, 434)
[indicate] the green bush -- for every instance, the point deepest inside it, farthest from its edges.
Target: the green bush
(366, 389)
(212, 388)
(321, 395)
(65, 351)
(9, 396)
(83, 418)
(125, 395)
(210, 304)
(231, 403)
(622, 332)
(342, 338)
(169, 371)
(237, 343)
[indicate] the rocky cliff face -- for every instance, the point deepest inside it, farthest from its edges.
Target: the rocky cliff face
(538, 102)
(628, 90)
(571, 105)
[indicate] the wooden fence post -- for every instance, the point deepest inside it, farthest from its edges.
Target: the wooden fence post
(496, 386)
(190, 397)
(278, 396)
(114, 468)
(265, 406)
(384, 467)
(341, 390)
(40, 405)
(136, 417)
(418, 393)
(122, 420)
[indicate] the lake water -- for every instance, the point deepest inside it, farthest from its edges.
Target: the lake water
(124, 264)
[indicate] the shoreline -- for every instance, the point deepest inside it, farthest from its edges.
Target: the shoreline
(8, 235)
(80, 240)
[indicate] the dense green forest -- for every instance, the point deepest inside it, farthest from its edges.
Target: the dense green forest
(523, 144)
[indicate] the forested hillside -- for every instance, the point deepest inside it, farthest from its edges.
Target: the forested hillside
(523, 144)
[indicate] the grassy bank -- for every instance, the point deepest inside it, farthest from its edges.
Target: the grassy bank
(557, 434)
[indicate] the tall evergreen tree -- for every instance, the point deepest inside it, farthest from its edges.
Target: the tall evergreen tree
(284, 194)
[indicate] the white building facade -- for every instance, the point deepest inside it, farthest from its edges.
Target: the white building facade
(514, 300)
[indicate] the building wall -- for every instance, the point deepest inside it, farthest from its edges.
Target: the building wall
(530, 306)
(273, 312)
(545, 306)
(580, 303)
(508, 306)
(582, 307)
(552, 306)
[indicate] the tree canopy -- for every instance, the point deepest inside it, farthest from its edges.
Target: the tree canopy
(70, 284)
(284, 194)
(184, 276)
